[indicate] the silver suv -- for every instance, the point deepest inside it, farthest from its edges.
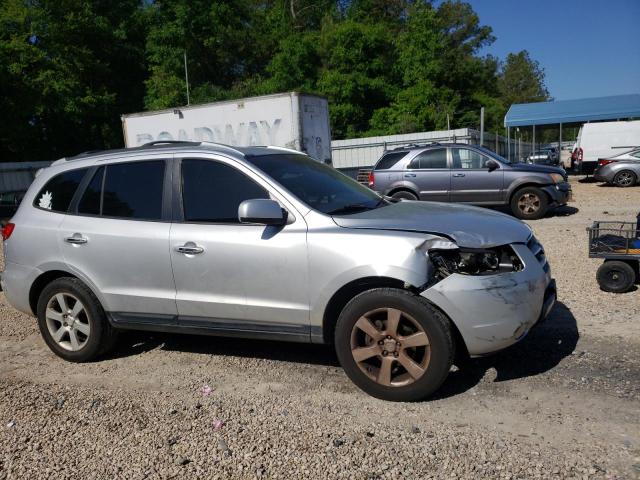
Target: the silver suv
(460, 173)
(268, 243)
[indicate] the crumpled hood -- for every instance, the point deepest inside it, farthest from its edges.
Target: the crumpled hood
(468, 226)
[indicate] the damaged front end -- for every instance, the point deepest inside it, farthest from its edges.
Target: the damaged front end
(494, 295)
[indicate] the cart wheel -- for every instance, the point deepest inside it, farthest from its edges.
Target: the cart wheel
(615, 276)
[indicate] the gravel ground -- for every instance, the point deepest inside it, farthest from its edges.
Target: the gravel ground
(564, 403)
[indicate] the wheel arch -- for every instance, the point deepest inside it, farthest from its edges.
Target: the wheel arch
(344, 294)
(403, 188)
(40, 283)
(527, 184)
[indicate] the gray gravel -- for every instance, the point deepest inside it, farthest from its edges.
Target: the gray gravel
(564, 403)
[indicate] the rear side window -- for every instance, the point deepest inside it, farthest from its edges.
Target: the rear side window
(56, 195)
(213, 191)
(125, 190)
(133, 190)
(389, 160)
(430, 159)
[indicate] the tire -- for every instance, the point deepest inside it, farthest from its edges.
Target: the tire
(404, 195)
(374, 309)
(93, 334)
(625, 178)
(529, 203)
(615, 276)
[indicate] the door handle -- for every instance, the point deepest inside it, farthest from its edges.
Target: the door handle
(409, 175)
(76, 239)
(458, 174)
(189, 248)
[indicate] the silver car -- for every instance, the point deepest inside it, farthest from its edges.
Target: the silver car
(268, 243)
(622, 170)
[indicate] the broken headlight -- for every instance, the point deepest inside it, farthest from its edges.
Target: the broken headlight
(474, 261)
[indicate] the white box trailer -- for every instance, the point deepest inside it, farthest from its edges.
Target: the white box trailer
(293, 120)
(604, 139)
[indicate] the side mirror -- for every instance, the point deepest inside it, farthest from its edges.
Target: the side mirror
(492, 165)
(262, 211)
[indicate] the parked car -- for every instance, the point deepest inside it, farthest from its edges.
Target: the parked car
(268, 243)
(471, 174)
(621, 170)
(604, 139)
(9, 203)
(545, 156)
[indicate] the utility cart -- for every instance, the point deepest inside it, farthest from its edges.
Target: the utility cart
(619, 244)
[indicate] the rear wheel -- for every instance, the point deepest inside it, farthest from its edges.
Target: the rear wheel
(394, 345)
(404, 195)
(616, 276)
(529, 203)
(72, 322)
(625, 178)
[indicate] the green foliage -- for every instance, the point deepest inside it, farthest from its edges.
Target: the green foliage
(70, 68)
(522, 80)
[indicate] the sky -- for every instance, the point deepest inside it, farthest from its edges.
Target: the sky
(588, 48)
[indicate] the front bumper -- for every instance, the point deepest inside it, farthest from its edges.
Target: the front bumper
(493, 312)
(559, 193)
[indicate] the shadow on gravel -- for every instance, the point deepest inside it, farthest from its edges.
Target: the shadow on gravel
(540, 351)
(563, 211)
(543, 348)
(134, 343)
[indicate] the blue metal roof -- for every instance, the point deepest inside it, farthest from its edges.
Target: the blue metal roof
(573, 111)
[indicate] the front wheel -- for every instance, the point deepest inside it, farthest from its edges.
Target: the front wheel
(529, 203)
(72, 322)
(615, 276)
(394, 345)
(625, 178)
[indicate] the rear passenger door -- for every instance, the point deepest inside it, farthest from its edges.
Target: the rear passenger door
(116, 237)
(471, 180)
(429, 171)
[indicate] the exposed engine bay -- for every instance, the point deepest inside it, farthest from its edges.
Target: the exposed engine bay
(474, 261)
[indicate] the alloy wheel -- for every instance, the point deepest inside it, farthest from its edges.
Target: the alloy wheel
(624, 179)
(390, 347)
(67, 321)
(529, 203)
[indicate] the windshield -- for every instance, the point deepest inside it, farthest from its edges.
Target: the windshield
(494, 155)
(319, 186)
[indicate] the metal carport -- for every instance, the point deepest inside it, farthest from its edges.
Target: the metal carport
(584, 110)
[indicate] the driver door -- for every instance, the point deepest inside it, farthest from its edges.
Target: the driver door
(239, 277)
(471, 180)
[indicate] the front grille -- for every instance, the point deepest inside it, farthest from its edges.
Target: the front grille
(538, 251)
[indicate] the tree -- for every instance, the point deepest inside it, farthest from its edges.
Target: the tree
(68, 69)
(522, 80)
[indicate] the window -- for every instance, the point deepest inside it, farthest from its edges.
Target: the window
(131, 190)
(430, 159)
(92, 196)
(213, 191)
(389, 160)
(466, 158)
(56, 195)
(319, 186)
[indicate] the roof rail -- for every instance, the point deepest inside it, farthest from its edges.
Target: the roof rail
(223, 145)
(416, 145)
(169, 142)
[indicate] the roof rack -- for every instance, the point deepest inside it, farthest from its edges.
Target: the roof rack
(169, 142)
(416, 145)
